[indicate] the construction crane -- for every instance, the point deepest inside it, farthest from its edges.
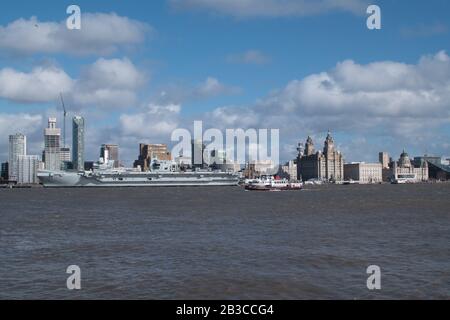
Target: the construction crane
(65, 115)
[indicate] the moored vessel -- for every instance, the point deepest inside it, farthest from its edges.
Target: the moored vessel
(162, 174)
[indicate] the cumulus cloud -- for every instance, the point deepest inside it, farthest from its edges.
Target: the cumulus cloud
(42, 84)
(100, 34)
(408, 102)
(107, 83)
(154, 121)
(249, 57)
(272, 8)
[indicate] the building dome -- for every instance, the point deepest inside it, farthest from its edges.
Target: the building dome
(404, 161)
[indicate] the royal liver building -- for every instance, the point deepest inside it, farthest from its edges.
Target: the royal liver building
(327, 165)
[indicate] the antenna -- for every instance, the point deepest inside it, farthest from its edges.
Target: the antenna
(65, 115)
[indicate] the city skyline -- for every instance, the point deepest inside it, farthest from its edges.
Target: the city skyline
(78, 131)
(231, 68)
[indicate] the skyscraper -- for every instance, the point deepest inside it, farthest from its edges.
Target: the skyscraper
(52, 136)
(78, 143)
(17, 147)
(113, 153)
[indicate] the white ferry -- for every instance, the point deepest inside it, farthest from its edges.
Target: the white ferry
(269, 183)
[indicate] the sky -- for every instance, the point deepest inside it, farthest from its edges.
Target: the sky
(138, 70)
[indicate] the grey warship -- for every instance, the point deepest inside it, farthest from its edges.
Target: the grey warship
(162, 174)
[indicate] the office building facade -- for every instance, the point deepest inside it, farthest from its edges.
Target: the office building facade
(363, 172)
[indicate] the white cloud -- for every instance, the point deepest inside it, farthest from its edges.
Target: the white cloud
(249, 57)
(42, 84)
(272, 8)
(154, 121)
(409, 103)
(106, 83)
(100, 34)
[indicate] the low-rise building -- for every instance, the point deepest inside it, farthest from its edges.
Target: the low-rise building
(363, 172)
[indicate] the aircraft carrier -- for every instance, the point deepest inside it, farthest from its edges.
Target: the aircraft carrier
(162, 174)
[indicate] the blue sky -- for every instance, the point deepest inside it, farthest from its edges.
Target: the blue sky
(208, 57)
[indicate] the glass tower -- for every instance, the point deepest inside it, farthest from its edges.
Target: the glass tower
(78, 143)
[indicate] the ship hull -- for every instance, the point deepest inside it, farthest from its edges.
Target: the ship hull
(51, 179)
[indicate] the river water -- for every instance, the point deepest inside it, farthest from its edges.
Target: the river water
(226, 243)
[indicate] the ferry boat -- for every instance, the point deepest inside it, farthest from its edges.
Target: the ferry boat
(272, 184)
(162, 174)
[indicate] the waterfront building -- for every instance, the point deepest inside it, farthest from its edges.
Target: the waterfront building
(78, 143)
(439, 172)
(327, 165)
(418, 161)
(52, 150)
(27, 168)
(113, 153)
(17, 147)
(147, 152)
(383, 158)
(404, 168)
(289, 170)
(4, 172)
(363, 172)
(257, 168)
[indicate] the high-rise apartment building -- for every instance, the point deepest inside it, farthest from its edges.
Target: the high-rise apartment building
(27, 168)
(17, 147)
